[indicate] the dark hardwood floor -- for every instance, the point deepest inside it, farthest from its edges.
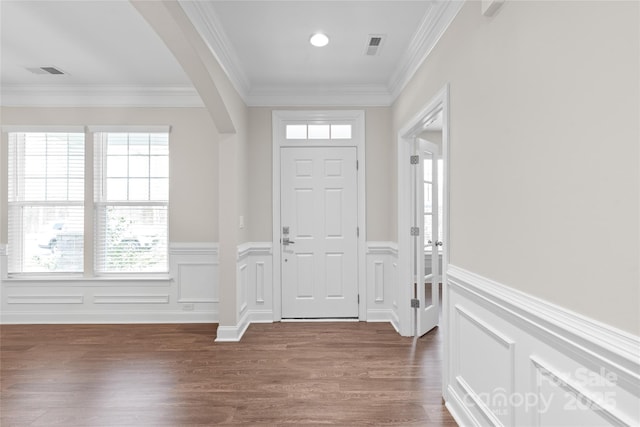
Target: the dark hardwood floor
(347, 374)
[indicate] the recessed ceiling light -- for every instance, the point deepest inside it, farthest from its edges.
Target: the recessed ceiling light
(319, 40)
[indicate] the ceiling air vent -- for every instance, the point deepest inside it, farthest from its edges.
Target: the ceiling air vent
(45, 70)
(374, 43)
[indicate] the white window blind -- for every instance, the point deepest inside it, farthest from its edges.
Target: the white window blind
(131, 201)
(46, 202)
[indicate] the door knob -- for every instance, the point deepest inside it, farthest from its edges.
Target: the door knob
(439, 243)
(286, 241)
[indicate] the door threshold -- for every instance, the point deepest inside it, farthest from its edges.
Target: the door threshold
(320, 319)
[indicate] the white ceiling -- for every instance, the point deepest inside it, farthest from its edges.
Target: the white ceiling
(113, 56)
(271, 40)
(102, 45)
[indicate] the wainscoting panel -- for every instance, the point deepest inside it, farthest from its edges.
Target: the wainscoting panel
(258, 285)
(378, 281)
(254, 289)
(260, 281)
(395, 315)
(45, 299)
(189, 293)
(517, 360)
(131, 299)
(497, 355)
(242, 287)
(195, 284)
(560, 394)
(255, 286)
(381, 281)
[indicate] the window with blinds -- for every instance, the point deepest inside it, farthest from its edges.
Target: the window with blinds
(131, 202)
(46, 202)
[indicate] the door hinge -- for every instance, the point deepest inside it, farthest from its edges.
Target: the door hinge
(415, 303)
(357, 231)
(414, 160)
(358, 298)
(415, 231)
(357, 165)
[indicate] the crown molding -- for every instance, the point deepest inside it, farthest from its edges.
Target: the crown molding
(98, 96)
(433, 25)
(207, 23)
(318, 96)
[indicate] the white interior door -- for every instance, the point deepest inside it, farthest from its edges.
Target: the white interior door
(428, 243)
(318, 217)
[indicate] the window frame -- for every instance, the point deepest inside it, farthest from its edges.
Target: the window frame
(89, 204)
(19, 193)
(100, 202)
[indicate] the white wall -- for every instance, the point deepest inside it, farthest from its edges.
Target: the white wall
(544, 150)
(379, 146)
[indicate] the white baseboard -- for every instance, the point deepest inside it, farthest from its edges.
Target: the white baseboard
(111, 317)
(233, 333)
(261, 316)
(517, 360)
(459, 411)
(395, 321)
(380, 315)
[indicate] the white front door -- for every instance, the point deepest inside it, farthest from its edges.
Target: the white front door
(318, 225)
(427, 277)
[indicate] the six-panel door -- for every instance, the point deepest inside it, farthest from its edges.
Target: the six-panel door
(319, 207)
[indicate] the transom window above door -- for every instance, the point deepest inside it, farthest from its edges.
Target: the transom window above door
(318, 131)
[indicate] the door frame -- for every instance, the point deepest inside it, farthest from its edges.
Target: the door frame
(406, 135)
(280, 118)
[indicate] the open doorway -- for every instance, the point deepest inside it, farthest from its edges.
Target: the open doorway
(423, 148)
(427, 209)
(432, 242)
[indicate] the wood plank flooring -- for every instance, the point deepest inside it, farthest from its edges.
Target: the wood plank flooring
(346, 374)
